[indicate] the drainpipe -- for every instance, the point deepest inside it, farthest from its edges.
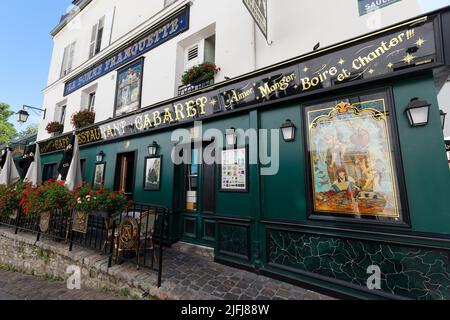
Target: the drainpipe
(254, 46)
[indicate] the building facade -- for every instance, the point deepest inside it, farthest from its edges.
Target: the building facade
(355, 186)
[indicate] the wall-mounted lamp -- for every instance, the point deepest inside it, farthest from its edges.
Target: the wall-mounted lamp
(418, 112)
(100, 156)
(22, 115)
(231, 136)
(153, 149)
(443, 115)
(288, 131)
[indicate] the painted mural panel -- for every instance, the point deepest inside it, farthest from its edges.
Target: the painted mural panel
(353, 168)
(129, 86)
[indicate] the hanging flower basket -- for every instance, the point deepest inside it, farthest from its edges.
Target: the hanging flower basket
(82, 119)
(200, 73)
(54, 127)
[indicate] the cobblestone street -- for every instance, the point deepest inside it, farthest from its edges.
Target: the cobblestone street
(187, 275)
(18, 286)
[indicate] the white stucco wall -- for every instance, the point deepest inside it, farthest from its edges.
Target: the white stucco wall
(295, 27)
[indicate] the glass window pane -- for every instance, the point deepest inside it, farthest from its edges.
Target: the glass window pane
(352, 159)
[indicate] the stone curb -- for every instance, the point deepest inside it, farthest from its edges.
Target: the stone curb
(45, 257)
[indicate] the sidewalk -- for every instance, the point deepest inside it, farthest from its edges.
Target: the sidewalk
(18, 286)
(186, 276)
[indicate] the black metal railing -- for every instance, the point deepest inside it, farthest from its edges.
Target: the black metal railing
(182, 90)
(136, 235)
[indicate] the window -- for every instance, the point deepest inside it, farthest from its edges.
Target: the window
(192, 171)
(67, 63)
(50, 171)
(91, 102)
(169, 2)
(96, 38)
(83, 168)
(62, 118)
(353, 160)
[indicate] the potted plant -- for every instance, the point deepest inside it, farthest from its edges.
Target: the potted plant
(82, 119)
(200, 73)
(84, 203)
(33, 201)
(111, 204)
(10, 199)
(54, 127)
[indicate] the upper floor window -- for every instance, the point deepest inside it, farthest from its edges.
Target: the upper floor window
(169, 2)
(62, 118)
(101, 33)
(69, 53)
(96, 37)
(91, 101)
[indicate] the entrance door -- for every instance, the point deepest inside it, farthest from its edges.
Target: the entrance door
(125, 174)
(195, 199)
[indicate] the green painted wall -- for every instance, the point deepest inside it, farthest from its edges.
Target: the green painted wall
(424, 159)
(282, 197)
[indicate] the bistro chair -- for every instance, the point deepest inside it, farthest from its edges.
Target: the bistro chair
(146, 241)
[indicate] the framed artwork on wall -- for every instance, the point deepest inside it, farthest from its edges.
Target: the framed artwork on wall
(353, 166)
(152, 173)
(233, 170)
(129, 88)
(99, 173)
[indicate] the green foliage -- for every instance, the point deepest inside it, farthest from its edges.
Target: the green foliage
(124, 292)
(31, 129)
(202, 72)
(7, 130)
(83, 119)
(54, 127)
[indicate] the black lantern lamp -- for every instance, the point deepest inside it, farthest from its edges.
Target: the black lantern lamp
(22, 116)
(288, 131)
(153, 149)
(443, 115)
(418, 112)
(231, 136)
(100, 156)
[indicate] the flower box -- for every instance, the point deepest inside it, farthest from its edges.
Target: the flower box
(201, 73)
(82, 119)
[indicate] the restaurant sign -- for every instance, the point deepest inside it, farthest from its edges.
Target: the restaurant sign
(385, 55)
(366, 6)
(156, 36)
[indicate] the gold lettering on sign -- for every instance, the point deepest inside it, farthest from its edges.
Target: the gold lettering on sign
(178, 107)
(167, 115)
(157, 118)
(201, 102)
(266, 89)
(384, 47)
(190, 109)
(237, 97)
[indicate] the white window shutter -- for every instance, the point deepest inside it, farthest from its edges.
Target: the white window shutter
(107, 30)
(93, 41)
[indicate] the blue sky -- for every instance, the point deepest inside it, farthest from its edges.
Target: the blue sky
(27, 45)
(26, 49)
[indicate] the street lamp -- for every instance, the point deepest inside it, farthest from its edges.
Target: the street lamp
(288, 131)
(443, 115)
(22, 115)
(152, 149)
(418, 112)
(100, 156)
(231, 136)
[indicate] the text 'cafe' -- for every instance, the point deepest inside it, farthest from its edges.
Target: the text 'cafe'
(361, 180)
